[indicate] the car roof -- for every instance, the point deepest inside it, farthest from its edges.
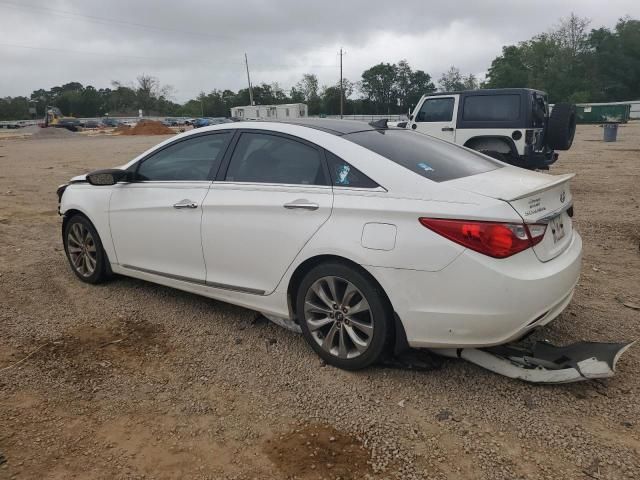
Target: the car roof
(334, 126)
(487, 91)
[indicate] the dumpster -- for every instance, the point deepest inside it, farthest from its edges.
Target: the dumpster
(603, 113)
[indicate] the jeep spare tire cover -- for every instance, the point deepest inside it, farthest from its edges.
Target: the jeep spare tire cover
(561, 127)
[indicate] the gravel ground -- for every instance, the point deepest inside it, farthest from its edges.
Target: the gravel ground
(134, 380)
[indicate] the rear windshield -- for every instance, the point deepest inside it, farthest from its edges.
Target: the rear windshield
(493, 108)
(434, 159)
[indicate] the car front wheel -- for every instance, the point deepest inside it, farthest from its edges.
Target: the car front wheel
(84, 250)
(344, 316)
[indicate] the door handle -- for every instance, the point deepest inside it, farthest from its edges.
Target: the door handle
(185, 204)
(447, 129)
(301, 205)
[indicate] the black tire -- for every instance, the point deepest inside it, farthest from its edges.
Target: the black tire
(100, 272)
(379, 315)
(561, 127)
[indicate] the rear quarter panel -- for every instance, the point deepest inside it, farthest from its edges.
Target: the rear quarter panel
(415, 248)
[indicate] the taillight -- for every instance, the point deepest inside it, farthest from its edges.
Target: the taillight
(498, 240)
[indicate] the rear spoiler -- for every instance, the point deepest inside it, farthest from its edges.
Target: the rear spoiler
(558, 179)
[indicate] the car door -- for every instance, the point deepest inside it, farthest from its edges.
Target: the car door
(156, 219)
(437, 117)
(266, 203)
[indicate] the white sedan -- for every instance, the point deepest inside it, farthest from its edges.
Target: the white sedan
(367, 237)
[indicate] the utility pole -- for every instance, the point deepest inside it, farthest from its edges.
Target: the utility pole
(341, 86)
(246, 62)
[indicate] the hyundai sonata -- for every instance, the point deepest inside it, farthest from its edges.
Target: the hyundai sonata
(368, 237)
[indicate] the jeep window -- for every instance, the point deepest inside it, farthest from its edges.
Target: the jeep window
(436, 110)
(431, 158)
(491, 108)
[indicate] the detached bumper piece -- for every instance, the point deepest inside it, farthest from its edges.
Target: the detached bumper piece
(545, 363)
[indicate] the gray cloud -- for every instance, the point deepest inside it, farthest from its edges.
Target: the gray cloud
(198, 45)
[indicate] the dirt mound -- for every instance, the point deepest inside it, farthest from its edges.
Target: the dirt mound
(148, 127)
(52, 132)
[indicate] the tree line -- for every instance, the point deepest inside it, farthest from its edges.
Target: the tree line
(569, 62)
(575, 64)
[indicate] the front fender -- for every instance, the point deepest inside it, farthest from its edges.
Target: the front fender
(92, 202)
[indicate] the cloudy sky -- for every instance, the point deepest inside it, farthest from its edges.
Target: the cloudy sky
(198, 45)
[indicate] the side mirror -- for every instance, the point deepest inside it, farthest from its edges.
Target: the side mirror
(411, 117)
(107, 177)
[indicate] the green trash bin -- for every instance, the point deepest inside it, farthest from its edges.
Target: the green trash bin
(610, 132)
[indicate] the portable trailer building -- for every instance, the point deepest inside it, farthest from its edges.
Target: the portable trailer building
(271, 112)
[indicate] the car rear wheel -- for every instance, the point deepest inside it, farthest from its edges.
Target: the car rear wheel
(344, 316)
(84, 250)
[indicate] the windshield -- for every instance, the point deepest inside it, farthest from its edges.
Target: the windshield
(429, 157)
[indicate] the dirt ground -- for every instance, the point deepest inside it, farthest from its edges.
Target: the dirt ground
(134, 380)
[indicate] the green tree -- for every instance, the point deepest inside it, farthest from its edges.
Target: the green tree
(330, 98)
(451, 80)
(420, 85)
(411, 85)
(14, 108)
(559, 62)
(379, 86)
(308, 88)
(615, 61)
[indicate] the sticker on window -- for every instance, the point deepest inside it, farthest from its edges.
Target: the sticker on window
(425, 167)
(343, 173)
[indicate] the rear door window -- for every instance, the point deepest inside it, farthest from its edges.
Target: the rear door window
(266, 158)
(345, 175)
(429, 157)
(436, 110)
(491, 108)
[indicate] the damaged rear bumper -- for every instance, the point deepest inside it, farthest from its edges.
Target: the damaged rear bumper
(545, 363)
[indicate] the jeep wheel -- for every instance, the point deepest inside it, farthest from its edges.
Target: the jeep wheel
(561, 127)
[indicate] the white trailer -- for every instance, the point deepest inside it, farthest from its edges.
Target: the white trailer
(270, 112)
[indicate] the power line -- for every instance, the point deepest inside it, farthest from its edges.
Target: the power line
(182, 57)
(106, 20)
(30, 47)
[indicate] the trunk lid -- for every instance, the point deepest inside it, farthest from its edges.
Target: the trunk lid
(536, 197)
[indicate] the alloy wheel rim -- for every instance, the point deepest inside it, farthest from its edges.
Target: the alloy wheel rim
(339, 317)
(82, 250)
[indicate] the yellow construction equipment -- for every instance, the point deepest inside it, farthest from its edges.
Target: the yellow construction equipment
(53, 118)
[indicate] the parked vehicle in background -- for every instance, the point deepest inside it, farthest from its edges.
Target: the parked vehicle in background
(110, 122)
(171, 122)
(510, 124)
(366, 236)
(68, 123)
(207, 121)
(13, 124)
(91, 124)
